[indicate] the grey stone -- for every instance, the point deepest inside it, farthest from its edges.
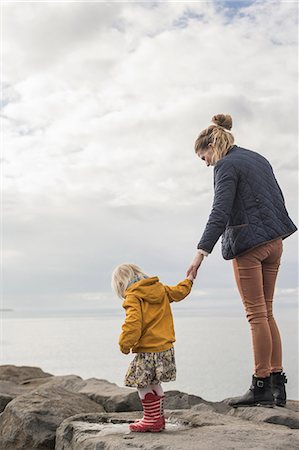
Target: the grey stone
(83, 430)
(109, 395)
(121, 399)
(14, 389)
(185, 430)
(19, 374)
(181, 400)
(18, 380)
(277, 415)
(30, 421)
(89, 415)
(4, 400)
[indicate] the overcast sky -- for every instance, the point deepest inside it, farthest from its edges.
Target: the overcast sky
(101, 105)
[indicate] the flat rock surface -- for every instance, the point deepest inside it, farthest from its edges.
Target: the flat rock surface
(185, 430)
(280, 416)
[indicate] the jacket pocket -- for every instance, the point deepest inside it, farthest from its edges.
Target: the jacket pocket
(235, 240)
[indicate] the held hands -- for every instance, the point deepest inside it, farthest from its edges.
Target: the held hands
(194, 266)
(190, 277)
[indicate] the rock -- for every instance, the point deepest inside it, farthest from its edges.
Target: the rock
(72, 383)
(181, 400)
(277, 415)
(109, 395)
(85, 430)
(30, 421)
(14, 389)
(11, 388)
(19, 374)
(18, 380)
(293, 405)
(4, 400)
(187, 430)
(90, 415)
(119, 399)
(203, 418)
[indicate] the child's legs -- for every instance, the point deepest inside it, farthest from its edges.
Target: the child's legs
(270, 270)
(157, 388)
(151, 388)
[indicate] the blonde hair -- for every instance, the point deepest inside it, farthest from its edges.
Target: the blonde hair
(123, 275)
(218, 135)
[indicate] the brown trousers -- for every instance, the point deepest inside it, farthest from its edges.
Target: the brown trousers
(256, 273)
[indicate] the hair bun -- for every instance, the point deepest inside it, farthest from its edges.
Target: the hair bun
(223, 120)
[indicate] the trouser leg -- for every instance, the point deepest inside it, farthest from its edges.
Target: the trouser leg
(249, 278)
(270, 268)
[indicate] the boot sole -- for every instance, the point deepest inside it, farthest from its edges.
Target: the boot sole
(147, 431)
(159, 430)
(264, 405)
(138, 420)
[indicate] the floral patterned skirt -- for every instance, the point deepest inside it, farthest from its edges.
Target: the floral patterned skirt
(151, 368)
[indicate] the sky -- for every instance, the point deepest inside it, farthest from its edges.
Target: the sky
(101, 104)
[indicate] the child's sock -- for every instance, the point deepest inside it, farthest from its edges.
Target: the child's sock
(157, 388)
(143, 391)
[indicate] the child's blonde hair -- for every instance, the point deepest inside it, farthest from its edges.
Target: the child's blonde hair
(123, 275)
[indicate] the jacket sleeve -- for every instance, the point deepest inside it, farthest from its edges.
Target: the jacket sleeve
(225, 182)
(132, 326)
(178, 292)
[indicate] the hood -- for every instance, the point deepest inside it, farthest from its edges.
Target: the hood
(149, 289)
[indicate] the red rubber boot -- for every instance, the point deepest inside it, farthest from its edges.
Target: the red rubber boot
(153, 419)
(162, 412)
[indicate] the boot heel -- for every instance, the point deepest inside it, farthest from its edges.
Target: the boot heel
(278, 381)
(281, 404)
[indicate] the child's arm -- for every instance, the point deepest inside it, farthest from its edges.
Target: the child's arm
(131, 328)
(180, 291)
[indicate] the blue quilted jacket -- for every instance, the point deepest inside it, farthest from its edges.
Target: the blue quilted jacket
(248, 208)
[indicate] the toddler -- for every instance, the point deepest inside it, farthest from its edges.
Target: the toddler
(148, 331)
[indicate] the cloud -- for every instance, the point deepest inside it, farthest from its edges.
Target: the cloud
(102, 105)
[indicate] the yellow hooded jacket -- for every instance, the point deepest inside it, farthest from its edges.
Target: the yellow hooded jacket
(149, 324)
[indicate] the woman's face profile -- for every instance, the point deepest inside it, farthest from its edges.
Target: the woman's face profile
(206, 155)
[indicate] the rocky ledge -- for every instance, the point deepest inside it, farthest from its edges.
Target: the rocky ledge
(42, 411)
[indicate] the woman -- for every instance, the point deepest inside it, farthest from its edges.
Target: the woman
(250, 214)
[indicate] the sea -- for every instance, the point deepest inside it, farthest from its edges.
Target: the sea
(213, 352)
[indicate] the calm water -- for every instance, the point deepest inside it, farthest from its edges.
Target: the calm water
(213, 355)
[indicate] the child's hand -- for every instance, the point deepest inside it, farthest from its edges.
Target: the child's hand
(190, 277)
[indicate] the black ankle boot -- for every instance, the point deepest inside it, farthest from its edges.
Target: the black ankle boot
(278, 381)
(259, 394)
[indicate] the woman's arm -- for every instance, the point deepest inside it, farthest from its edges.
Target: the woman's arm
(226, 181)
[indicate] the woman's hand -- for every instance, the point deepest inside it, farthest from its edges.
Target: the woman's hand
(194, 266)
